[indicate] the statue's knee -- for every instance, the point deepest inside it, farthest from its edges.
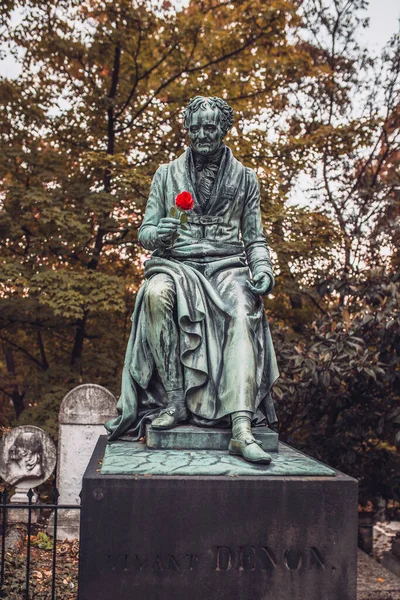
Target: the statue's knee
(160, 292)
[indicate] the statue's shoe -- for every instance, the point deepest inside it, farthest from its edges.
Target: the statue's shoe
(250, 449)
(169, 417)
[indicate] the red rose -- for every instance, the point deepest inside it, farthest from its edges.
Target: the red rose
(184, 201)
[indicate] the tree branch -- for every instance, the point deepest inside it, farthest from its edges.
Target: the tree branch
(21, 349)
(187, 70)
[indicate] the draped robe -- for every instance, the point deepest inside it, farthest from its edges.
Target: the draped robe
(225, 348)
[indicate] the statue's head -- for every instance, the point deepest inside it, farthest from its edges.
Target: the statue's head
(27, 451)
(207, 121)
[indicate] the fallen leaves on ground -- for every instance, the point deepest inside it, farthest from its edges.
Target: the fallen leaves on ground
(40, 581)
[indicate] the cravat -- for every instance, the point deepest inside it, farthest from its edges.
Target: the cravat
(206, 174)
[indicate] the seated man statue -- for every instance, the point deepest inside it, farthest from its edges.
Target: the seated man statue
(200, 350)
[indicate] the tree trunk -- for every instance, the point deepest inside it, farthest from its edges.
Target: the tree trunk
(42, 351)
(16, 396)
(76, 358)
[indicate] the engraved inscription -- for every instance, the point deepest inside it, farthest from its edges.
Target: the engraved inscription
(267, 558)
(159, 562)
(293, 559)
(247, 558)
(263, 558)
(221, 559)
(316, 560)
(244, 558)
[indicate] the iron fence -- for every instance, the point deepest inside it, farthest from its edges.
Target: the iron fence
(29, 506)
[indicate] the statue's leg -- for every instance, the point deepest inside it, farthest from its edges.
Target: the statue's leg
(240, 364)
(240, 353)
(163, 340)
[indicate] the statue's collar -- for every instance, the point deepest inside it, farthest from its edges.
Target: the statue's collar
(203, 160)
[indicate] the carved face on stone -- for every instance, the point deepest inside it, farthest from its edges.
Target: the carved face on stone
(205, 132)
(27, 455)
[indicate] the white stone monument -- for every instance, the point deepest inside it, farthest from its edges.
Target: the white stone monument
(27, 459)
(82, 415)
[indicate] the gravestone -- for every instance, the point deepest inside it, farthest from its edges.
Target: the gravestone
(27, 459)
(391, 560)
(82, 414)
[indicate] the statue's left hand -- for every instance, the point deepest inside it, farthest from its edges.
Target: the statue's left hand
(262, 284)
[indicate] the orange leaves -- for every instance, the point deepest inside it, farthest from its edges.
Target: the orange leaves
(102, 17)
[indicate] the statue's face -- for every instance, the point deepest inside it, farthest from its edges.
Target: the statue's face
(205, 132)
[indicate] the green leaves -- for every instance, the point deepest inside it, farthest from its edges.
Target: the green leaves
(339, 386)
(69, 294)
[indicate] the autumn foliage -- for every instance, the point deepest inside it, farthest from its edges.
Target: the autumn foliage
(89, 111)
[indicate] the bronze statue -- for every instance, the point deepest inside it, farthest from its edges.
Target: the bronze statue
(200, 350)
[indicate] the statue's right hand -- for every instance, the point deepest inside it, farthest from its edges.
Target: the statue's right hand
(167, 228)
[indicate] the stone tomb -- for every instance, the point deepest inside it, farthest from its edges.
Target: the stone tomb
(202, 525)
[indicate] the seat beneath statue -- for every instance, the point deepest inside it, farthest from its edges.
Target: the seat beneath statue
(190, 437)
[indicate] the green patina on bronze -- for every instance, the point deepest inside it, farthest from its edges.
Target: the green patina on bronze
(200, 349)
(123, 458)
(188, 437)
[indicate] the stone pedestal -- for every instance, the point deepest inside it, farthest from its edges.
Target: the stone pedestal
(202, 525)
(21, 515)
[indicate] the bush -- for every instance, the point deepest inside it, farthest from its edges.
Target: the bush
(338, 397)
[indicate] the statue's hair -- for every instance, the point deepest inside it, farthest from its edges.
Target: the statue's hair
(29, 441)
(202, 103)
